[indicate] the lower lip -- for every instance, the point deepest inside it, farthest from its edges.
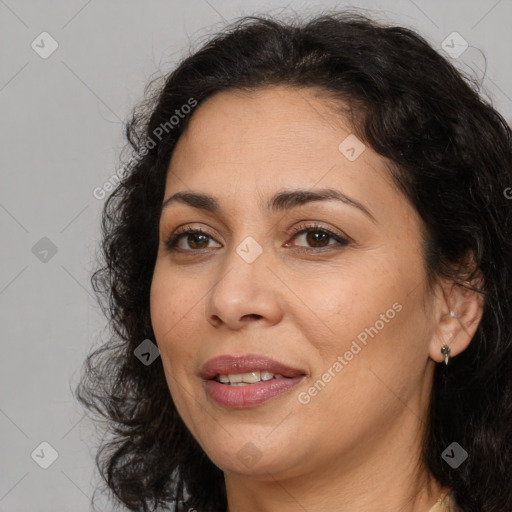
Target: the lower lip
(250, 395)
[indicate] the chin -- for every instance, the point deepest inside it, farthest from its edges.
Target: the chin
(256, 455)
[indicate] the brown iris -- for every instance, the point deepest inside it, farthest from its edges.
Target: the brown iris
(195, 236)
(312, 238)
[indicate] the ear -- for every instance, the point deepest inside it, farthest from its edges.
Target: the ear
(458, 315)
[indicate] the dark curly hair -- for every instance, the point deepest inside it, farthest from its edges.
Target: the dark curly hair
(451, 156)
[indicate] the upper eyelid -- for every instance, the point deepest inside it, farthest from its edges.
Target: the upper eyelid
(339, 237)
(303, 226)
(183, 231)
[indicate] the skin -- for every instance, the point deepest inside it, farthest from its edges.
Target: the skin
(356, 444)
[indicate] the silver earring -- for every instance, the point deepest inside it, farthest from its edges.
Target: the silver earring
(445, 350)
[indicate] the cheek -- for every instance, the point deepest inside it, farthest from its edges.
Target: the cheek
(177, 350)
(168, 309)
(335, 308)
(370, 389)
(379, 329)
(171, 300)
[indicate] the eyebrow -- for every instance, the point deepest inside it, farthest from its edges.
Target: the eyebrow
(284, 200)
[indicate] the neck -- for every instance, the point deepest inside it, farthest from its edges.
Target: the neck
(380, 474)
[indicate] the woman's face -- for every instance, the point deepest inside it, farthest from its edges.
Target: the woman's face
(344, 304)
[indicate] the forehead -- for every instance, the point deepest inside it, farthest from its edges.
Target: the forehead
(251, 143)
(278, 120)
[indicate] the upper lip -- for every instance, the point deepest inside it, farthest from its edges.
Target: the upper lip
(225, 365)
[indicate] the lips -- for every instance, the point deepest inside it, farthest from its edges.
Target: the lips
(225, 365)
(248, 395)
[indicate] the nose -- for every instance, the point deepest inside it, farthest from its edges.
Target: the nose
(244, 293)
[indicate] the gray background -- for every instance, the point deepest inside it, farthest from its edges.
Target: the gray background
(61, 135)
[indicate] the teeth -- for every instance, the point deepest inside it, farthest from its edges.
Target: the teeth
(249, 378)
(242, 379)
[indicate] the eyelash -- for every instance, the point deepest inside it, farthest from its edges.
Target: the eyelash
(299, 230)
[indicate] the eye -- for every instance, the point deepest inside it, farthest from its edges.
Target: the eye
(197, 239)
(317, 237)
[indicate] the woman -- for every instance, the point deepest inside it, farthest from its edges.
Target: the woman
(313, 230)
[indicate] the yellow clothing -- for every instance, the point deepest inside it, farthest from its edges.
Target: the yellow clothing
(447, 504)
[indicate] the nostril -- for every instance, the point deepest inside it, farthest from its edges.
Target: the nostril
(215, 320)
(251, 316)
